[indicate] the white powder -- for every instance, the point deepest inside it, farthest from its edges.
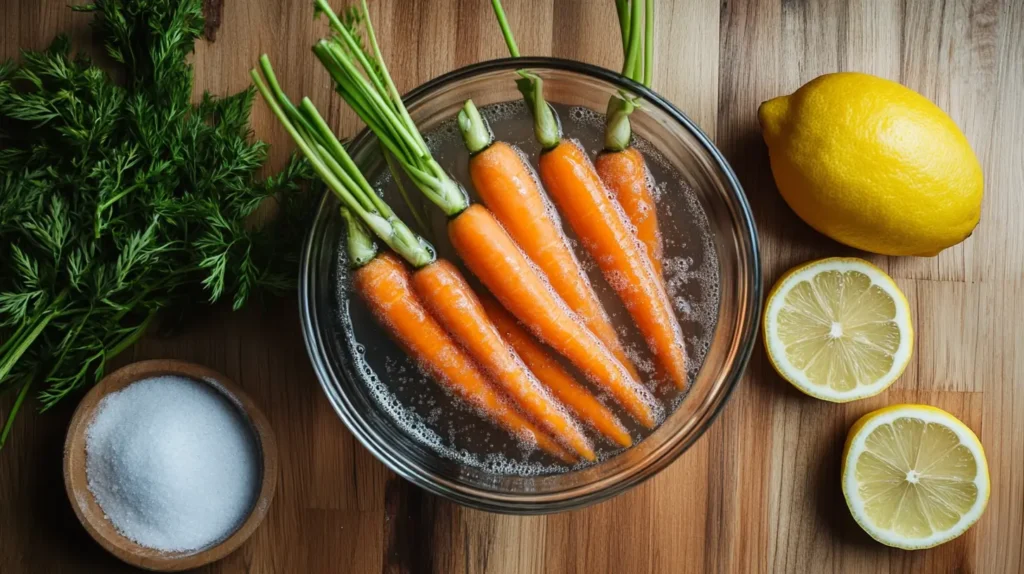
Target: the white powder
(172, 463)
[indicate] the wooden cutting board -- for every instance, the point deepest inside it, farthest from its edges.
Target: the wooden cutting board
(760, 491)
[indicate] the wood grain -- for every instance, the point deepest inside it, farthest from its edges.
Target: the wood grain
(760, 492)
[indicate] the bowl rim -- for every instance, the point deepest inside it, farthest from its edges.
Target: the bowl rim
(533, 503)
(84, 502)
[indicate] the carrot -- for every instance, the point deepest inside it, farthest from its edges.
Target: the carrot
(509, 190)
(555, 377)
(625, 175)
(381, 279)
(385, 286)
(450, 299)
(621, 167)
(570, 177)
(373, 96)
(494, 258)
(479, 239)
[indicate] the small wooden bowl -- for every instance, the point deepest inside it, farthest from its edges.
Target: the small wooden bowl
(92, 516)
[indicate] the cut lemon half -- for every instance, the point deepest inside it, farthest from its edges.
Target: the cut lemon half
(914, 476)
(838, 329)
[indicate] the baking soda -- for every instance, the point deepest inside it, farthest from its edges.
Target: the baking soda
(173, 464)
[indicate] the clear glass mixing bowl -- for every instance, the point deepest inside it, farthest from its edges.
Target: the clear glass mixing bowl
(703, 169)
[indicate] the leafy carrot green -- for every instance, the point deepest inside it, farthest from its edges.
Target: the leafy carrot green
(120, 200)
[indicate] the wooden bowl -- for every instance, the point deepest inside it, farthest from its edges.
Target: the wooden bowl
(92, 516)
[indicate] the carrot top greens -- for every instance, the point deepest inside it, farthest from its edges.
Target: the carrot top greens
(636, 23)
(364, 83)
(335, 167)
(360, 245)
(123, 202)
(545, 124)
(475, 132)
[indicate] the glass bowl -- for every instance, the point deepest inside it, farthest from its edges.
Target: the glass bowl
(325, 303)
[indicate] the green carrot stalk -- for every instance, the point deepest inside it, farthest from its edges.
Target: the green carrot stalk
(545, 124)
(475, 132)
(648, 43)
(360, 245)
(636, 23)
(364, 83)
(338, 171)
(622, 8)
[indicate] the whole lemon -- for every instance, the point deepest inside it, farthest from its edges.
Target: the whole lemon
(873, 164)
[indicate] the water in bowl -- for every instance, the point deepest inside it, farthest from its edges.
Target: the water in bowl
(423, 409)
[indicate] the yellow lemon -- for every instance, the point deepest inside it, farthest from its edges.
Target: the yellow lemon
(914, 476)
(838, 329)
(873, 164)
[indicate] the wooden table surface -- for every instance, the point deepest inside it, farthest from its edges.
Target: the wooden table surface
(760, 491)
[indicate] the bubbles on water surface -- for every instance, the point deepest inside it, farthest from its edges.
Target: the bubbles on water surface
(587, 117)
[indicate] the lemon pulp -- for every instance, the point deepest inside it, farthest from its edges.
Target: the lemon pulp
(838, 329)
(915, 476)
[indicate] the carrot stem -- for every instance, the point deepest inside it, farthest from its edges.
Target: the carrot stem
(506, 30)
(545, 124)
(636, 23)
(634, 57)
(360, 246)
(338, 153)
(648, 43)
(622, 8)
(396, 98)
(336, 168)
(475, 132)
(617, 130)
(401, 231)
(417, 213)
(370, 92)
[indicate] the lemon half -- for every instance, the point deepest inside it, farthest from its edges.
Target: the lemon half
(914, 476)
(838, 329)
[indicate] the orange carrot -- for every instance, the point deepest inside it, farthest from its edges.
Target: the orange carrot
(551, 373)
(495, 259)
(625, 174)
(382, 280)
(481, 241)
(449, 298)
(620, 166)
(570, 177)
(510, 191)
(385, 285)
